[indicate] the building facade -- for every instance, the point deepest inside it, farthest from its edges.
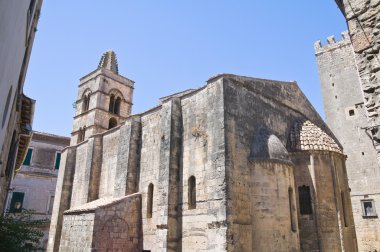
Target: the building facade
(33, 187)
(18, 21)
(235, 165)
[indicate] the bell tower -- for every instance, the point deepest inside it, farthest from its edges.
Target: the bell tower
(104, 100)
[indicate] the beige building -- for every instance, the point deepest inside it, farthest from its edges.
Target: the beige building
(33, 187)
(18, 22)
(236, 165)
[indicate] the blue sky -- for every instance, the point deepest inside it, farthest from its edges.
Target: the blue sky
(168, 46)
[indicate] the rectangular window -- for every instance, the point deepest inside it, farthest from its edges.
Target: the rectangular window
(28, 157)
(16, 202)
(57, 160)
(305, 200)
(51, 203)
(368, 208)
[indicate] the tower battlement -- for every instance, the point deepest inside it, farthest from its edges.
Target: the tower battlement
(332, 44)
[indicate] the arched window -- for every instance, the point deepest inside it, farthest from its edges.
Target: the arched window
(192, 193)
(85, 103)
(116, 109)
(149, 201)
(112, 104)
(292, 210)
(305, 200)
(81, 134)
(112, 123)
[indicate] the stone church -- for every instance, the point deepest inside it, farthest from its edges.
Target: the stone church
(240, 164)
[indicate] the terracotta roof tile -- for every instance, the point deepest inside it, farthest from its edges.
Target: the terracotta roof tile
(305, 135)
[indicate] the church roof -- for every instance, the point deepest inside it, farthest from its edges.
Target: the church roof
(305, 135)
(109, 61)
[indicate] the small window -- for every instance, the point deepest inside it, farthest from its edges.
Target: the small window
(5, 112)
(85, 103)
(112, 123)
(192, 193)
(81, 134)
(51, 204)
(28, 157)
(16, 202)
(57, 160)
(368, 208)
(116, 109)
(11, 156)
(112, 103)
(292, 210)
(114, 106)
(305, 200)
(344, 208)
(149, 203)
(351, 112)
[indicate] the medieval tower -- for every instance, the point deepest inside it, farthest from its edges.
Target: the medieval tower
(104, 99)
(346, 115)
(235, 165)
(349, 76)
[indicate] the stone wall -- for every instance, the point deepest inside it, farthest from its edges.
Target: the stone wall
(270, 209)
(330, 226)
(249, 105)
(363, 18)
(149, 173)
(109, 161)
(77, 232)
(128, 161)
(204, 226)
(104, 225)
(63, 194)
(82, 174)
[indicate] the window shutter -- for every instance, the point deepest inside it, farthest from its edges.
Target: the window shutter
(28, 157)
(16, 202)
(57, 160)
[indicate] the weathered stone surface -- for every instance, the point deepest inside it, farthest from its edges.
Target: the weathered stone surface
(108, 224)
(346, 115)
(128, 161)
(63, 194)
(363, 19)
(305, 135)
(250, 105)
(203, 184)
